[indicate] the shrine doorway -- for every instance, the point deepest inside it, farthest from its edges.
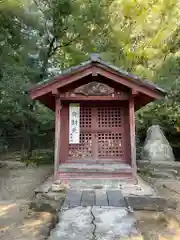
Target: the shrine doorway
(103, 135)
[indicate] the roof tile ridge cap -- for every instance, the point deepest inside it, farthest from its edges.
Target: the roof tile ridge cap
(95, 57)
(114, 67)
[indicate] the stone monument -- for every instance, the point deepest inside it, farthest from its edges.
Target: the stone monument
(157, 147)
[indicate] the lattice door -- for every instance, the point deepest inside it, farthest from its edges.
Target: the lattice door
(110, 132)
(101, 134)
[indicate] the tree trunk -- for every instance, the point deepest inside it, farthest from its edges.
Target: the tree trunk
(23, 145)
(28, 141)
(46, 59)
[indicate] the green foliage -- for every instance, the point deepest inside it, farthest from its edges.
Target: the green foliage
(38, 38)
(166, 112)
(41, 157)
(145, 172)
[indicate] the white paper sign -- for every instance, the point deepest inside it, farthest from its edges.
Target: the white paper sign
(74, 123)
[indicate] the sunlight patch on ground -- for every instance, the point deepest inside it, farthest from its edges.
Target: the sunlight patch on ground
(5, 208)
(132, 238)
(3, 228)
(33, 224)
(154, 225)
(42, 217)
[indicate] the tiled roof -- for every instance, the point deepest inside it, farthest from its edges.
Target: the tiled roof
(96, 59)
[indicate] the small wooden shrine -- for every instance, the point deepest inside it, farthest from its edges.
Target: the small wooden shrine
(95, 104)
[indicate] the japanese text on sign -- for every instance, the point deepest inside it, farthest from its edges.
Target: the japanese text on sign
(74, 123)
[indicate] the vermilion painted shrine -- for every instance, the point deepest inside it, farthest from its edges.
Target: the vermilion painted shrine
(95, 104)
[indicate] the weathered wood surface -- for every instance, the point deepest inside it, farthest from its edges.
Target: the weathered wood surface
(132, 136)
(57, 136)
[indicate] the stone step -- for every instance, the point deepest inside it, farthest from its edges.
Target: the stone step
(158, 165)
(163, 175)
(150, 203)
(166, 171)
(97, 176)
(122, 172)
(99, 184)
(95, 168)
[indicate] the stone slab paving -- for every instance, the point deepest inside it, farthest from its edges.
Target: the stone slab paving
(113, 223)
(150, 203)
(94, 215)
(94, 198)
(115, 198)
(73, 199)
(94, 223)
(88, 198)
(142, 188)
(101, 215)
(74, 224)
(101, 198)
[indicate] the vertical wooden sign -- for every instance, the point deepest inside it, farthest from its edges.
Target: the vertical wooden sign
(74, 123)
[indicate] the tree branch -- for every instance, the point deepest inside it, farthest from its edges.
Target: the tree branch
(63, 45)
(38, 5)
(51, 47)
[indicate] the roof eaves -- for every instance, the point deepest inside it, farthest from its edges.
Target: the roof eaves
(95, 58)
(64, 73)
(143, 82)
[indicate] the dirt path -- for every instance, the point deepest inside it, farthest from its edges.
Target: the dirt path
(16, 191)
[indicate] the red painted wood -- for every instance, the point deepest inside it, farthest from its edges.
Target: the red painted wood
(94, 175)
(127, 133)
(132, 136)
(100, 139)
(64, 133)
(102, 134)
(100, 161)
(60, 82)
(93, 132)
(94, 98)
(102, 70)
(134, 92)
(55, 92)
(57, 136)
(101, 79)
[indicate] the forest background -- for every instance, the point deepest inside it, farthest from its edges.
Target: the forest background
(40, 38)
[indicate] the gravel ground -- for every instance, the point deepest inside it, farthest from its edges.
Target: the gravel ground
(170, 189)
(16, 192)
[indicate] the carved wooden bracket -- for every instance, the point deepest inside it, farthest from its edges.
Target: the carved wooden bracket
(95, 89)
(55, 92)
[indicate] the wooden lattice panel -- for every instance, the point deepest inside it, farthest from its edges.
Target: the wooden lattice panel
(82, 150)
(109, 117)
(110, 145)
(85, 117)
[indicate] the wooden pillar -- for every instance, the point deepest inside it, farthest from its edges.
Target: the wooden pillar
(57, 136)
(132, 135)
